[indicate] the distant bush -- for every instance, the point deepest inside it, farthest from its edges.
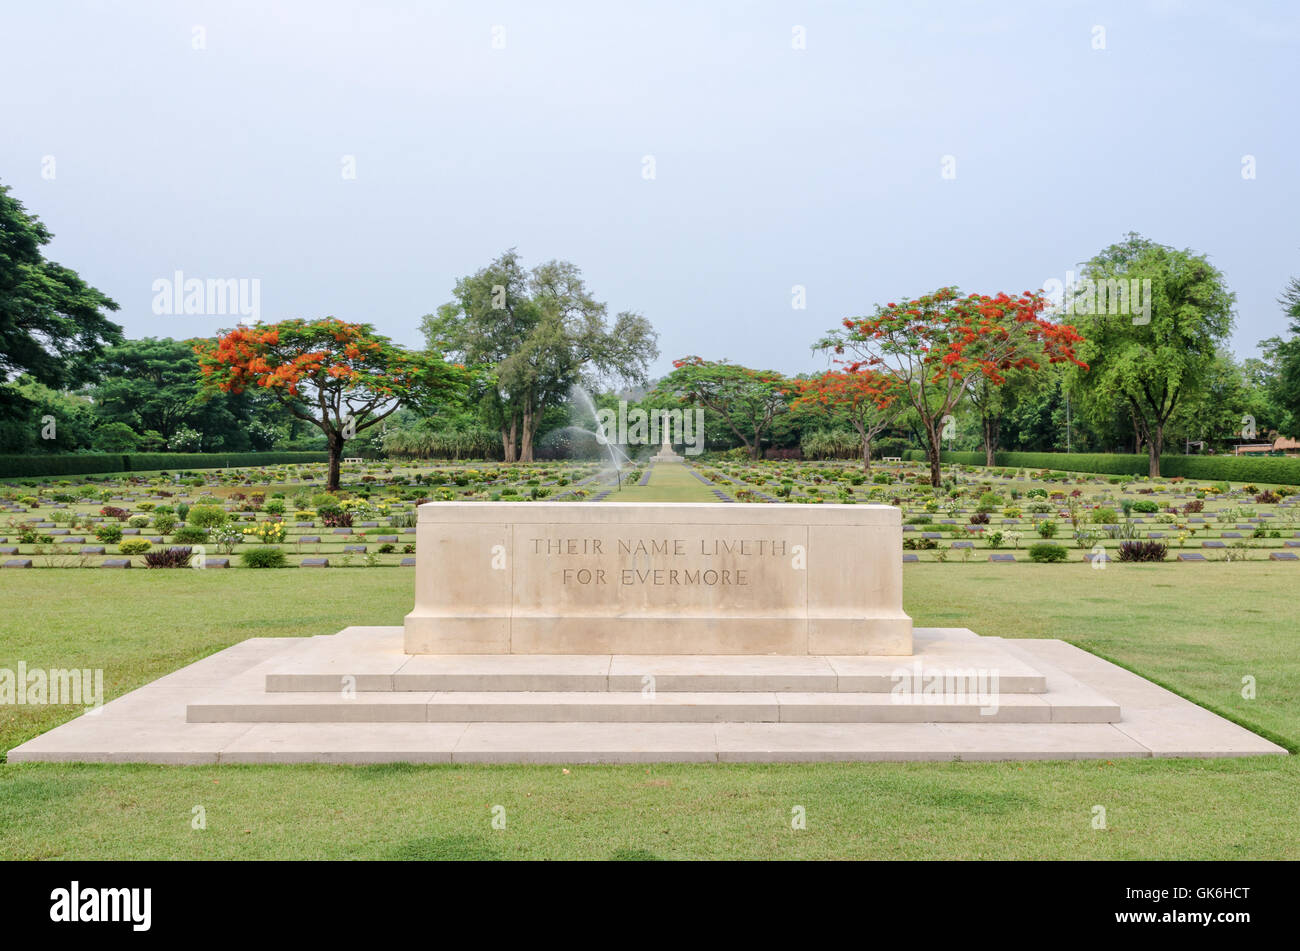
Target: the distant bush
(1145, 506)
(190, 535)
(207, 516)
(109, 534)
(262, 558)
(1047, 552)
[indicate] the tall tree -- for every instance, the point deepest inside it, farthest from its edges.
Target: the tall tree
(52, 323)
(537, 334)
(1153, 362)
(1286, 356)
(149, 384)
(745, 400)
(343, 378)
(937, 344)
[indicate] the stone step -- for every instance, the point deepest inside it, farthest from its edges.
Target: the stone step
(630, 707)
(372, 659)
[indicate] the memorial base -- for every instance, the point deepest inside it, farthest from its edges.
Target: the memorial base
(358, 697)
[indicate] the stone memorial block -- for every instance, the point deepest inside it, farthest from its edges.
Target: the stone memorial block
(658, 578)
(18, 563)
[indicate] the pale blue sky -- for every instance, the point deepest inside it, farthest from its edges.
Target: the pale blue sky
(774, 166)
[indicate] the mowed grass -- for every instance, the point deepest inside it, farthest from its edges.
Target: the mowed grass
(1195, 628)
(669, 482)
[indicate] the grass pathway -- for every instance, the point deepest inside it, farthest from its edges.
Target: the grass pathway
(669, 482)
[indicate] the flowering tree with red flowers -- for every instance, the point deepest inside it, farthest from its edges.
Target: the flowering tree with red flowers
(936, 345)
(340, 377)
(868, 398)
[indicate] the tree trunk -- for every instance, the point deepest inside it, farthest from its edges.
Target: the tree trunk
(866, 454)
(1154, 445)
(990, 440)
(508, 440)
(932, 453)
(336, 456)
(526, 435)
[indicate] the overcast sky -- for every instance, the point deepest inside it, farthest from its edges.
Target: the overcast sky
(218, 139)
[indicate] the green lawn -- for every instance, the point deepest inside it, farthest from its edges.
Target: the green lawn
(1195, 628)
(670, 482)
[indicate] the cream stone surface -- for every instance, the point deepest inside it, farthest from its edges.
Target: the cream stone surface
(658, 578)
(1054, 701)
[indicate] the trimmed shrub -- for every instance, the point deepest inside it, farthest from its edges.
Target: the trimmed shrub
(190, 535)
(55, 464)
(262, 558)
(207, 516)
(1047, 552)
(1272, 469)
(134, 546)
(109, 534)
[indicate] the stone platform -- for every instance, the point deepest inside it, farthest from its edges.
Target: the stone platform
(357, 697)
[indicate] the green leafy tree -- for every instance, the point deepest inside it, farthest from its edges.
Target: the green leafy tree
(52, 323)
(1154, 362)
(745, 401)
(149, 384)
(536, 334)
(56, 421)
(1285, 356)
(116, 437)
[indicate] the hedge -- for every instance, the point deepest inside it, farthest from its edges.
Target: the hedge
(12, 467)
(1277, 470)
